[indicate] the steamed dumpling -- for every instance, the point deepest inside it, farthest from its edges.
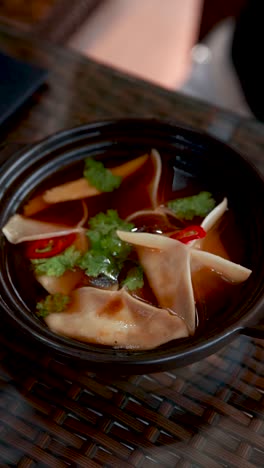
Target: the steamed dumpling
(115, 318)
(20, 228)
(168, 263)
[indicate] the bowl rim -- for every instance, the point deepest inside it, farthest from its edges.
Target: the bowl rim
(155, 358)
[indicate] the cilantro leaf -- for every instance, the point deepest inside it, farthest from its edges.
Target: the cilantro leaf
(52, 303)
(57, 265)
(189, 207)
(107, 252)
(134, 278)
(107, 222)
(95, 264)
(100, 177)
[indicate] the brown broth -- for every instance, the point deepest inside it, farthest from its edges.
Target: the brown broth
(212, 292)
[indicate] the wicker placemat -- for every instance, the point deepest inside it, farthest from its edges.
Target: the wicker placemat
(26, 12)
(53, 20)
(209, 414)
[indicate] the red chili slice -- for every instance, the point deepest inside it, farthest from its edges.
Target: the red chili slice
(189, 233)
(46, 248)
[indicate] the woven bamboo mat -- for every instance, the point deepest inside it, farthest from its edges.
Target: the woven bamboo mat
(208, 414)
(53, 20)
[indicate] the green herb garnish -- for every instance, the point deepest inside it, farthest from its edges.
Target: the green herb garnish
(94, 264)
(57, 265)
(189, 207)
(107, 252)
(52, 303)
(100, 177)
(134, 278)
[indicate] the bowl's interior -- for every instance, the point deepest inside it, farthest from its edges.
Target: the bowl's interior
(204, 161)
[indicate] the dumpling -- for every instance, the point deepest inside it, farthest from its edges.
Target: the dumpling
(115, 318)
(19, 228)
(167, 264)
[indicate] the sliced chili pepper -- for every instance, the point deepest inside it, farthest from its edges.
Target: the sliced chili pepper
(46, 248)
(189, 233)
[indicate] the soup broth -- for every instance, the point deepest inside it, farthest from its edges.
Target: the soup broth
(142, 202)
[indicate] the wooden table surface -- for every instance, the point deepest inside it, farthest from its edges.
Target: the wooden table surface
(209, 414)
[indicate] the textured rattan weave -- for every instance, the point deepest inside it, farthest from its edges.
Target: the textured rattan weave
(209, 414)
(206, 414)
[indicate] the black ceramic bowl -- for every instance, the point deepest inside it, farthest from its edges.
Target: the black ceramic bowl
(225, 173)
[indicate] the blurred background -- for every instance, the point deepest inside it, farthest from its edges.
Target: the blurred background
(181, 45)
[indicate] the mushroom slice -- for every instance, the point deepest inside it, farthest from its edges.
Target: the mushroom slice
(115, 318)
(81, 188)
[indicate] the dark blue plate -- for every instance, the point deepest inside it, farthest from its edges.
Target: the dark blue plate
(18, 81)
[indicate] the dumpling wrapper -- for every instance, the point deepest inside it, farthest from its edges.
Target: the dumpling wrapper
(233, 272)
(19, 228)
(213, 217)
(115, 318)
(167, 264)
(154, 187)
(65, 283)
(208, 223)
(153, 190)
